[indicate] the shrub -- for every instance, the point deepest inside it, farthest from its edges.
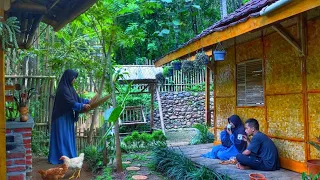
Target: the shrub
(144, 141)
(177, 166)
(93, 157)
(203, 135)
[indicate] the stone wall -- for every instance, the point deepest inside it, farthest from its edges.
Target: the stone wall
(181, 109)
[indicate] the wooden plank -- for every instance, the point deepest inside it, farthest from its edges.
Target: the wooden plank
(3, 167)
(160, 111)
(292, 165)
(288, 37)
(294, 8)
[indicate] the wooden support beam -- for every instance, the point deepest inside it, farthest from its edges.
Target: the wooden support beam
(207, 97)
(302, 32)
(160, 110)
(288, 37)
(294, 8)
(152, 106)
(28, 8)
(3, 167)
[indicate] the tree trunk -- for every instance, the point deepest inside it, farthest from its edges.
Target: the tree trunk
(114, 104)
(223, 8)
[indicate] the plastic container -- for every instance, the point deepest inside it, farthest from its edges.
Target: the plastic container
(219, 55)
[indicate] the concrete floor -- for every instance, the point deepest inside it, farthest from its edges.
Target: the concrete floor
(194, 151)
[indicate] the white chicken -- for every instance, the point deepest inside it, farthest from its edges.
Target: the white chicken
(74, 163)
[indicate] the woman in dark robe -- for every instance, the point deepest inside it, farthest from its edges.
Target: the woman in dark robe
(67, 106)
(230, 144)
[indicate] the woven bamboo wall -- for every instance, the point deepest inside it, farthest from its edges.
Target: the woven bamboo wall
(289, 112)
(257, 113)
(283, 65)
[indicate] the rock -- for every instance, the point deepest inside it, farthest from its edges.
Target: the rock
(132, 168)
(180, 117)
(188, 124)
(173, 117)
(175, 127)
(177, 109)
(188, 116)
(139, 177)
(126, 162)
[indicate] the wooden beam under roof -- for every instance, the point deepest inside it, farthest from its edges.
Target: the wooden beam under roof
(294, 8)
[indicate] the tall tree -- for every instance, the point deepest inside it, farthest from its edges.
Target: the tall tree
(223, 8)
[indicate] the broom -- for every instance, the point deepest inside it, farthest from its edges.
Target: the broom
(95, 102)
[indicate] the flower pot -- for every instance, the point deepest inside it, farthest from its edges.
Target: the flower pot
(313, 166)
(255, 176)
(219, 55)
(24, 118)
(177, 65)
(23, 114)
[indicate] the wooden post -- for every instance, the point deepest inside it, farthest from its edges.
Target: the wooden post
(207, 97)
(160, 110)
(3, 168)
(152, 106)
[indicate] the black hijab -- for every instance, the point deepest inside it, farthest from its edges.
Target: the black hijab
(238, 129)
(66, 96)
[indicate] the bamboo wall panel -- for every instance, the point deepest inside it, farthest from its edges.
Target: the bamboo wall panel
(314, 115)
(285, 116)
(218, 135)
(283, 66)
(225, 108)
(290, 150)
(225, 75)
(249, 50)
(313, 58)
(314, 153)
(257, 113)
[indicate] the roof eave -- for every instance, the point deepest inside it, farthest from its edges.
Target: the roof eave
(251, 24)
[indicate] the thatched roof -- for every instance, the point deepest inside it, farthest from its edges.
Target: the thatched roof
(56, 13)
(139, 74)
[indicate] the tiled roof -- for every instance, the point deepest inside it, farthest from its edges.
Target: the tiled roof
(139, 73)
(240, 15)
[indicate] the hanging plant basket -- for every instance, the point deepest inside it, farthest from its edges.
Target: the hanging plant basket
(219, 53)
(201, 60)
(187, 66)
(176, 65)
(160, 78)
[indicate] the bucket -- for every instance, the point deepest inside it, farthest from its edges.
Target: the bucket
(219, 55)
(176, 65)
(313, 166)
(257, 177)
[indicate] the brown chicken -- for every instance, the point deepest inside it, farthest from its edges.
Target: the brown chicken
(55, 173)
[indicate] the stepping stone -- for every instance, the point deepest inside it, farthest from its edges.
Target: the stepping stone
(132, 168)
(126, 162)
(145, 173)
(139, 177)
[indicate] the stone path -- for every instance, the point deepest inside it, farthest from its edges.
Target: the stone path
(194, 151)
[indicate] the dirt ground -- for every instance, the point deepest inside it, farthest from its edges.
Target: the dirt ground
(42, 163)
(176, 137)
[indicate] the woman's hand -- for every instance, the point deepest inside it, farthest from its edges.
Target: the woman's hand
(86, 107)
(229, 131)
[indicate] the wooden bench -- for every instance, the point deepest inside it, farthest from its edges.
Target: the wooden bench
(133, 116)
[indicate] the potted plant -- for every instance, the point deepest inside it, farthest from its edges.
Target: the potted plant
(176, 65)
(168, 71)
(201, 59)
(11, 111)
(313, 165)
(22, 100)
(187, 66)
(160, 78)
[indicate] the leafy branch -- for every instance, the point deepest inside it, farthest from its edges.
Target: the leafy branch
(8, 31)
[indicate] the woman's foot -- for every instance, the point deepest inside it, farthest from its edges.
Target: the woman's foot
(239, 166)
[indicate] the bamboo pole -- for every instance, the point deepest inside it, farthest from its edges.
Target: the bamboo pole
(152, 106)
(3, 160)
(160, 111)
